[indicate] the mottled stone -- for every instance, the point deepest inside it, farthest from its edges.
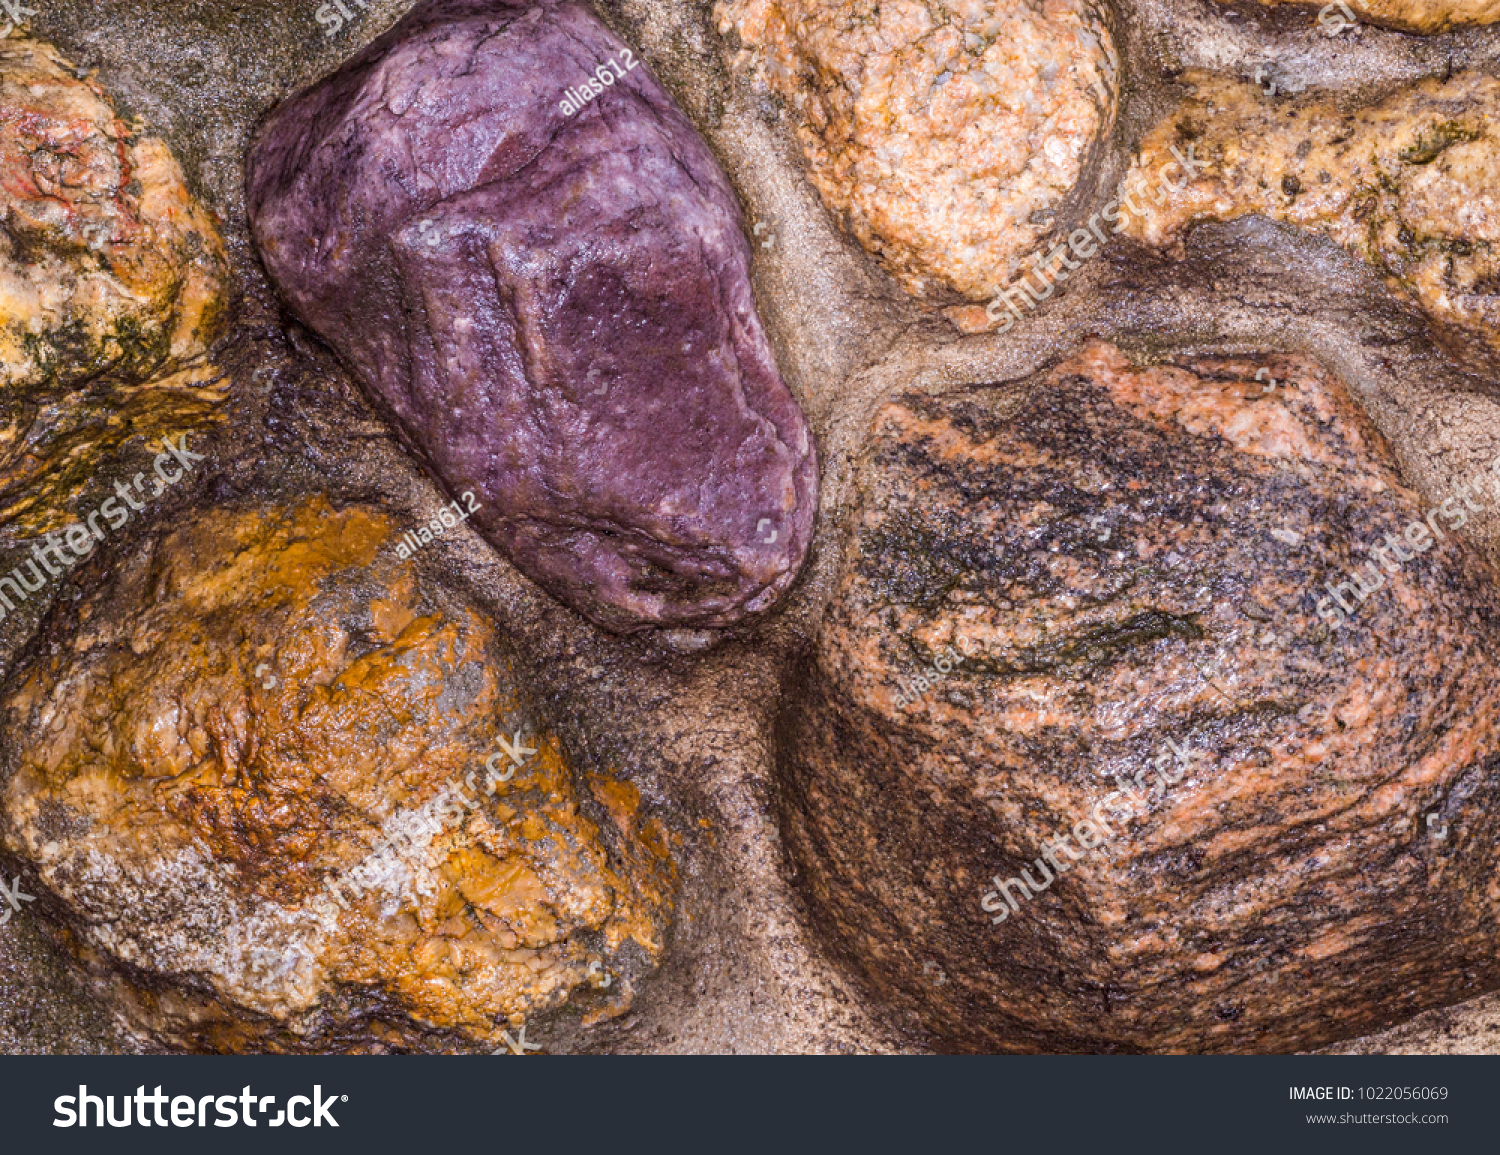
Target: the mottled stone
(1410, 183)
(107, 262)
(1409, 15)
(1126, 559)
(262, 776)
(944, 135)
(553, 306)
(57, 447)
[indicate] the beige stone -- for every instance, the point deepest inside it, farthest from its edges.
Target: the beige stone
(1409, 183)
(944, 135)
(107, 261)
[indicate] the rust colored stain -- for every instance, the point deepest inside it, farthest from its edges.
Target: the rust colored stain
(209, 778)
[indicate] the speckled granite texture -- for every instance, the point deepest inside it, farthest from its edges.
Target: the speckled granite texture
(1130, 562)
(1411, 15)
(946, 136)
(1410, 183)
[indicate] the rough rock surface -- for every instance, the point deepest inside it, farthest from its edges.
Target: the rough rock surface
(257, 773)
(943, 134)
(554, 306)
(106, 260)
(1409, 15)
(1132, 558)
(1410, 183)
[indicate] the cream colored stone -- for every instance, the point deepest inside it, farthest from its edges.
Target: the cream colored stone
(942, 134)
(1410, 183)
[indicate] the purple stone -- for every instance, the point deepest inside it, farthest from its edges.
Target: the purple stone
(553, 307)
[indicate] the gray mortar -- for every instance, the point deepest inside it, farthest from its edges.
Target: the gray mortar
(744, 972)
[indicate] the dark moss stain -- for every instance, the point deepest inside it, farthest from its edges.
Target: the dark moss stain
(68, 355)
(1094, 645)
(910, 563)
(1429, 148)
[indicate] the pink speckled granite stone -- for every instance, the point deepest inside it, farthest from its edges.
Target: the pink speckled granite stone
(1132, 558)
